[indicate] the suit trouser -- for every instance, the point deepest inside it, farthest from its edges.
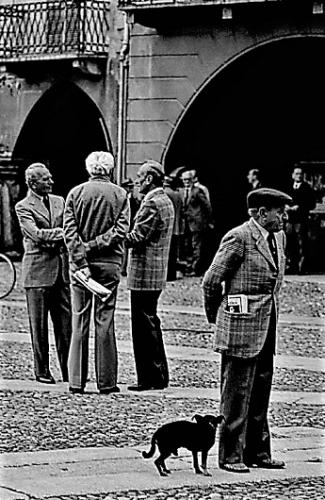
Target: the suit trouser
(245, 394)
(106, 362)
(297, 244)
(149, 352)
(40, 302)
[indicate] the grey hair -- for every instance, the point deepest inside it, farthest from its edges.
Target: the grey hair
(32, 172)
(99, 163)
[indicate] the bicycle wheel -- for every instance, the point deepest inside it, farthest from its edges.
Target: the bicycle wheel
(7, 276)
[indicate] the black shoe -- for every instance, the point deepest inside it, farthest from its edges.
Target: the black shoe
(48, 379)
(267, 463)
(76, 390)
(109, 391)
(140, 387)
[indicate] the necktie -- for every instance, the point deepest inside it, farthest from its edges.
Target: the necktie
(273, 248)
(186, 197)
(46, 202)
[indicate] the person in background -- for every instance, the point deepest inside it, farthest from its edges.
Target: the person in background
(241, 295)
(128, 185)
(304, 200)
(197, 219)
(45, 270)
(149, 241)
(176, 199)
(254, 178)
(96, 220)
(198, 184)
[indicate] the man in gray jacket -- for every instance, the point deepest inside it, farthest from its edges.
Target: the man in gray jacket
(96, 220)
(45, 270)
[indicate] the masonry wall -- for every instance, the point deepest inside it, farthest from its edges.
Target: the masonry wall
(169, 68)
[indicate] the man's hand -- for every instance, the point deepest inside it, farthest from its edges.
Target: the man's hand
(86, 272)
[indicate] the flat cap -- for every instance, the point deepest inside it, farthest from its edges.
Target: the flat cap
(158, 167)
(268, 197)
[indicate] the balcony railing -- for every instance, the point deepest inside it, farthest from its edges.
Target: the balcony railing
(57, 29)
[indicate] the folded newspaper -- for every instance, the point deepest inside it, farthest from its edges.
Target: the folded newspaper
(93, 286)
(237, 303)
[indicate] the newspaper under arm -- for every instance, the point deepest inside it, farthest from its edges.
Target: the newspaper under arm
(93, 286)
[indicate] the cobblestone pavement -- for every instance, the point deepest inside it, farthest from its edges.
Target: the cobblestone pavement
(46, 420)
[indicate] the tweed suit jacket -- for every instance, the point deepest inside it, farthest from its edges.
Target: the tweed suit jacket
(243, 264)
(45, 254)
(97, 213)
(150, 241)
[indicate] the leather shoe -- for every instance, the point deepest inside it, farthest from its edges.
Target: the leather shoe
(268, 463)
(76, 390)
(46, 379)
(238, 467)
(140, 387)
(109, 391)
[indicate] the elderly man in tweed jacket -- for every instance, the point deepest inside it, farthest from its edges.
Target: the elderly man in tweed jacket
(96, 220)
(147, 271)
(250, 262)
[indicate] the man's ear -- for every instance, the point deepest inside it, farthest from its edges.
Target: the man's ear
(149, 179)
(262, 212)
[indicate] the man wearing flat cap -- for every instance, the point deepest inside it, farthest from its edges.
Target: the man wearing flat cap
(241, 294)
(149, 241)
(96, 220)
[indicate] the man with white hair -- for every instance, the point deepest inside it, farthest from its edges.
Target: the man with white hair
(45, 270)
(96, 220)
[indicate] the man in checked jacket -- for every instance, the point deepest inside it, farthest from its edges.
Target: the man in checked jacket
(147, 272)
(250, 261)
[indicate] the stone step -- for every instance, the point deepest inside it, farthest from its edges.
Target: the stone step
(82, 471)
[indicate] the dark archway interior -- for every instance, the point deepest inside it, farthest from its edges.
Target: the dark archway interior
(266, 111)
(61, 130)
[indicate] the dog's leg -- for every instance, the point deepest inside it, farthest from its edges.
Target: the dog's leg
(204, 463)
(160, 464)
(196, 463)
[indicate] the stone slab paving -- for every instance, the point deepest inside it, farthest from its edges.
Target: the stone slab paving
(102, 470)
(190, 353)
(298, 397)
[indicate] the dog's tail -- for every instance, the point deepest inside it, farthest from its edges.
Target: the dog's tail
(151, 452)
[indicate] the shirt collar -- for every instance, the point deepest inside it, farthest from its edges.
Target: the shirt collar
(264, 231)
(36, 195)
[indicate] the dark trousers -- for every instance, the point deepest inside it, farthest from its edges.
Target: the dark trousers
(172, 260)
(40, 302)
(297, 246)
(106, 360)
(149, 352)
(245, 394)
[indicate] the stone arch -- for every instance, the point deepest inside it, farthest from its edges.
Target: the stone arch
(61, 129)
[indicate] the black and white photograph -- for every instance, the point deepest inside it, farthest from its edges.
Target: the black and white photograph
(162, 250)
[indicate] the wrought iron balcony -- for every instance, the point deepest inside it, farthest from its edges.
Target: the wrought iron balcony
(54, 30)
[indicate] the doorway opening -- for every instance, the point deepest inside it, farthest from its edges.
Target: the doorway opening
(63, 127)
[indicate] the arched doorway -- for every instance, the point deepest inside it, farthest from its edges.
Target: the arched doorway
(63, 127)
(264, 111)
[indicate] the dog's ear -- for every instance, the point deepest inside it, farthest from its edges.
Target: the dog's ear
(220, 419)
(198, 418)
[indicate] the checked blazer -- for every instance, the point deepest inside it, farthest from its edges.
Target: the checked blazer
(243, 264)
(150, 241)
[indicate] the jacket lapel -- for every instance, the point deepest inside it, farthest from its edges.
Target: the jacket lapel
(39, 206)
(261, 244)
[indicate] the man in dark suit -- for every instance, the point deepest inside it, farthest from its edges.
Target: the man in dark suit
(176, 199)
(241, 294)
(304, 200)
(96, 220)
(45, 270)
(149, 241)
(197, 216)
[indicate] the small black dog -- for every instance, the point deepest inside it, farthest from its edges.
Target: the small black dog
(183, 434)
